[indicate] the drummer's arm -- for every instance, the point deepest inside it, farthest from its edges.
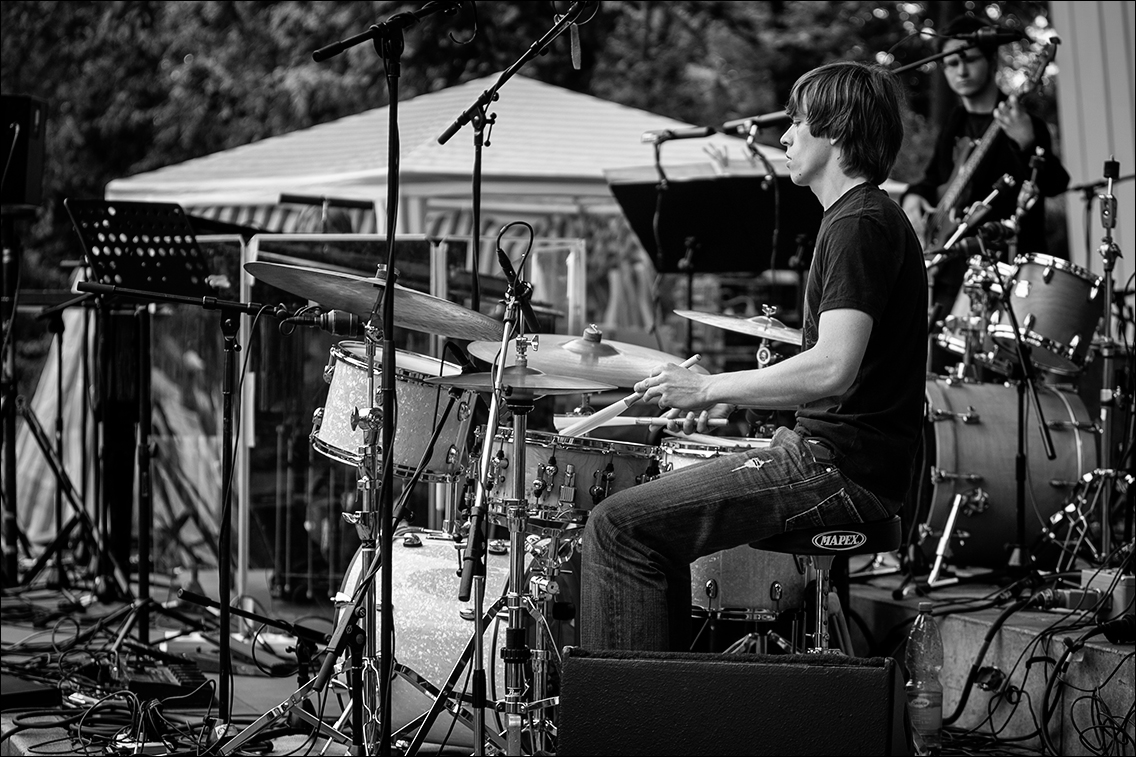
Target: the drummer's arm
(828, 369)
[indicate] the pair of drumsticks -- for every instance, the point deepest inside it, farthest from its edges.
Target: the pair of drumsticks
(614, 410)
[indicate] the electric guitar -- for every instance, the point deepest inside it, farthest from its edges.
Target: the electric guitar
(941, 222)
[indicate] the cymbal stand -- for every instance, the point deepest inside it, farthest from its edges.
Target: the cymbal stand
(1111, 398)
(1027, 382)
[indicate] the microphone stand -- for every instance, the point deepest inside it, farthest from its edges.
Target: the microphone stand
(229, 312)
(387, 38)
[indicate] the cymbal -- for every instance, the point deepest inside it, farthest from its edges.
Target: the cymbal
(589, 355)
(522, 381)
(762, 325)
(413, 310)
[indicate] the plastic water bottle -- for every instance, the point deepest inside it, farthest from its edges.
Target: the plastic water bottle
(924, 658)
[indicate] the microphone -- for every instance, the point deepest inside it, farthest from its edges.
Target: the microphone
(743, 125)
(991, 232)
(521, 289)
(978, 212)
(338, 322)
(682, 132)
(991, 34)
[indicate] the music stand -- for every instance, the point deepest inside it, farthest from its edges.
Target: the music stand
(151, 247)
(693, 220)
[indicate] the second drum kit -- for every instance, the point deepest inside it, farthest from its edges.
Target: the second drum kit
(540, 492)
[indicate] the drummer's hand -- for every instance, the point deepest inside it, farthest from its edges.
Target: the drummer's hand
(688, 422)
(672, 386)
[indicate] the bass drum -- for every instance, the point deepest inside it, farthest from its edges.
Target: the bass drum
(430, 634)
(971, 446)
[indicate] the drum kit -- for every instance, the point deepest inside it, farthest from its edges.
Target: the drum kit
(537, 485)
(970, 480)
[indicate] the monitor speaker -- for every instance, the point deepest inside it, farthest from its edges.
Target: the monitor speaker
(644, 703)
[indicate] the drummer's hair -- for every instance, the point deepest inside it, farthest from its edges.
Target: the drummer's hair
(857, 105)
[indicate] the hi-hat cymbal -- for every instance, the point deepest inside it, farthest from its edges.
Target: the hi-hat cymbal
(522, 381)
(762, 325)
(589, 355)
(355, 294)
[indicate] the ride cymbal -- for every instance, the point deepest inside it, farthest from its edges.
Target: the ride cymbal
(761, 326)
(413, 310)
(589, 355)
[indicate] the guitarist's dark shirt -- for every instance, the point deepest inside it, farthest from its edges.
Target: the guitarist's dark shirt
(1004, 157)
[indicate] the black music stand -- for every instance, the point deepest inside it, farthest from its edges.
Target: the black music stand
(691, 220)
(151, 247)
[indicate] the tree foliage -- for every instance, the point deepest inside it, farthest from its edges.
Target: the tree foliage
(136, 85)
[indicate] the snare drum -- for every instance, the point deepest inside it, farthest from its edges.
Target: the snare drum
(742, 581)
(566, 476)
(419, 409)
(1057, 306)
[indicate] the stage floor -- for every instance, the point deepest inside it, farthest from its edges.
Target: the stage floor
(1014, 649)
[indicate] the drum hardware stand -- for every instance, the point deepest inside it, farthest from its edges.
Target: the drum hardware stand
(1112, 399)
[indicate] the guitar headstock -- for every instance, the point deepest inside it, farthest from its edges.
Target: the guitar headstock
(1037, 65)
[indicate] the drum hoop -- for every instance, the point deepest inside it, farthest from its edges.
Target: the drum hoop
(674, 446)
(401, 373)
(1058, 263)
(400, 470)
(602, 446)
(1035, 339)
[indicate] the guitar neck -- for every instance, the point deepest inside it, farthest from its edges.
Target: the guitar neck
(962, 179)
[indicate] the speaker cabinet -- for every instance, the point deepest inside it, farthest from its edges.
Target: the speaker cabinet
(24, 131)
(725, 704)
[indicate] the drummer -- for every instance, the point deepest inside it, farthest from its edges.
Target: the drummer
(857, 387)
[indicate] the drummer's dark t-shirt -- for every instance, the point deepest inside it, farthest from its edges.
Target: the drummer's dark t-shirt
(868, 258)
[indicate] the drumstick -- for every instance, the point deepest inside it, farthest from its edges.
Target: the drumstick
(600, 417)
(660, 421)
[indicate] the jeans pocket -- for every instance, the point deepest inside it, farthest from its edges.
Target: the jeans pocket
(835, 509)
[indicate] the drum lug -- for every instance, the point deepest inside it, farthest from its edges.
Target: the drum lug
(938, 476)
(1028, 322)
(969, 417)
(1022, 289)
(975, 502)
(1047, 274)
(329, 371)
(463, 411)
(1093, 292)
(317, 422)
(568, 489)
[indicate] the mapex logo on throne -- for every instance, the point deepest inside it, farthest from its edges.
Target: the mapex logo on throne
(839, 540)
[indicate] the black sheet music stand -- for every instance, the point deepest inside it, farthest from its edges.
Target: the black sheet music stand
(729, 218)
(151, 247)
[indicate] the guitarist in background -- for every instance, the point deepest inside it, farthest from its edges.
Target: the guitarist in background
(971, 75)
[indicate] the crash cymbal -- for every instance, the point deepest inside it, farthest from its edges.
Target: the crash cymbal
(355, 294)
(522, 381)
(762, 325)
(589, 355)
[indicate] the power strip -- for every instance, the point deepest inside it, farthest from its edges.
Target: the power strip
(1122, 593)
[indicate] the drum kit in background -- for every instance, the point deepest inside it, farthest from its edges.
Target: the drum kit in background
(539, 490)
(969, 485)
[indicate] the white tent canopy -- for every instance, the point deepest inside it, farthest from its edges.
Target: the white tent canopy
(548, 150)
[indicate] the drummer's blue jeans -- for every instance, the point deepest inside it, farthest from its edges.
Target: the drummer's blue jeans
(639, 543)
